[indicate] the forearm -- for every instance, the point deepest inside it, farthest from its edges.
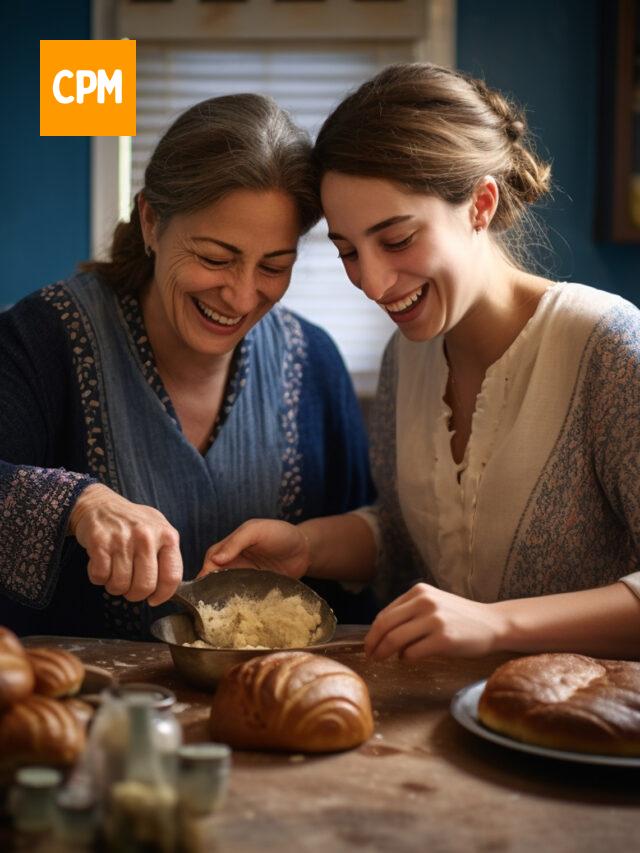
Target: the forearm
(341, 547)
(604, 622)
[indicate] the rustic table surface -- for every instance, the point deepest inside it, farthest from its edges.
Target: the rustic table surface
(422, 783)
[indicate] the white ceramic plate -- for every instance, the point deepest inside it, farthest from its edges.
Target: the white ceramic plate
(464, 707)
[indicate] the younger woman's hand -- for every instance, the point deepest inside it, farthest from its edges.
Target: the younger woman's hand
(428, 621)
(133, 550)
(261, 544)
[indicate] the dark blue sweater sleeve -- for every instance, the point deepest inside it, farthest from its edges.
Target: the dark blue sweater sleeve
(36, 491)
(334, 458)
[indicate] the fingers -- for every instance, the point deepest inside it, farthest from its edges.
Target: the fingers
(397, 639)
(170, 570)
(386, 621)
(133, 550)
(99, 567)
(231, 547)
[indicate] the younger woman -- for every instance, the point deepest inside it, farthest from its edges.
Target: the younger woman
(506, 439)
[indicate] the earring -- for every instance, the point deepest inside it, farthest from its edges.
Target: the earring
(148, 251)
(477, 229)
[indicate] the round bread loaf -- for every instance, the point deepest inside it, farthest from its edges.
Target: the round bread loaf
(292, 701)
(58, 673)
(566, 701)
(16, 677)
(39, 730)
(9, 642)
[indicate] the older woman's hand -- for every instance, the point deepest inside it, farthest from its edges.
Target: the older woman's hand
(428, 621)
(133, 550)
(261, 544)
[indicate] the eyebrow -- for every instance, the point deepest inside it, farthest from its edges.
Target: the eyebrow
(379, 226)
(236, 251)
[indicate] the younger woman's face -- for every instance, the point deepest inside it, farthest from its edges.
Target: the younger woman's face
(413, 254)
(219, 270)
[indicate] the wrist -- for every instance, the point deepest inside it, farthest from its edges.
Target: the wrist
(83, 503)
(505, 626)
(305, 529)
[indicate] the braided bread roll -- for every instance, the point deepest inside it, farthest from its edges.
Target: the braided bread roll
(16, 673)
(58, 673)
(292, 701)
(39, 730)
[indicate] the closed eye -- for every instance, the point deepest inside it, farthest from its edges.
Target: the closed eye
(212, 262)
(401, 244)
(275, 270)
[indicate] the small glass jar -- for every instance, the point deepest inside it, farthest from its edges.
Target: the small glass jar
(33, 799)
(203, 776)
(109, 739)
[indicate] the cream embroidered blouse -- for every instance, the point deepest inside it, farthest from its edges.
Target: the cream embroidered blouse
(547, 497)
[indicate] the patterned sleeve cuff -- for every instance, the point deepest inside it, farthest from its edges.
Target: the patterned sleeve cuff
(35, 504)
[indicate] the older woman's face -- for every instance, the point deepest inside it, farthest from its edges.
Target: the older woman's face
(219, 270)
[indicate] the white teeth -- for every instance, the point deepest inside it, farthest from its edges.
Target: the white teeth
(401, 304)
(218, 318)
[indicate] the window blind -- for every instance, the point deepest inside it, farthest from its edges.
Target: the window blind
(308, 83)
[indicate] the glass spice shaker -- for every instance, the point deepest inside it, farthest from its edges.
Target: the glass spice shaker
(141, 807)
(110, 735)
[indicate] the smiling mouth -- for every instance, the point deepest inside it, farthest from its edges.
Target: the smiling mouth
(407, 303)
(215, 316)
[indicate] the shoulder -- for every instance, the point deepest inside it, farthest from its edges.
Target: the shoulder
(320, 351)
(32, 321)
(578, 305)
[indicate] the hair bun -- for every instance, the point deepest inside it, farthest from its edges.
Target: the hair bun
(515, 130)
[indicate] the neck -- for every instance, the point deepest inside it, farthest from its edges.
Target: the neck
(176, 362)
(508, 299)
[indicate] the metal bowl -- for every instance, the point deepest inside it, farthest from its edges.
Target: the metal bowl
(204, 667)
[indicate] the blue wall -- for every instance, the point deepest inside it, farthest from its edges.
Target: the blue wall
(545, 52)
(44, 181)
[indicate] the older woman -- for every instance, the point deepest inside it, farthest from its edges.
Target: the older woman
(153, 402)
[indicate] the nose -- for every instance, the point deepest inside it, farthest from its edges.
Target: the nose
(242, 293)
(375, 277)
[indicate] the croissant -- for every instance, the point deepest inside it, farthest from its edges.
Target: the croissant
(292, 701)
(16, 673)
(39, 730)
(58, 672)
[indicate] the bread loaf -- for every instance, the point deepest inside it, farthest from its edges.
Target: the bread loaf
(39, 730)
(292, 701)
(16, 673)
(566, 701)
(82, 711)
(58, 673)
(9, 642)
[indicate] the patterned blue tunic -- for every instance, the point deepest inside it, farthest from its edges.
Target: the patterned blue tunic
(81, 401)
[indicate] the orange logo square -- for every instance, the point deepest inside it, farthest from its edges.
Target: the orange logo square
(88, 87)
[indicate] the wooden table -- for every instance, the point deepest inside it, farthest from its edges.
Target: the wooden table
(422, 783)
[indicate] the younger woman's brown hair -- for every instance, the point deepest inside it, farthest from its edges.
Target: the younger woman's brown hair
(217, 146)
(436, 131)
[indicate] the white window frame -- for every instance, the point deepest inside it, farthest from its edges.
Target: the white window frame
(110, 161)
